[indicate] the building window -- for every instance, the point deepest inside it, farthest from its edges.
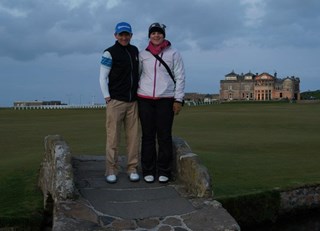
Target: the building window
(270, 95)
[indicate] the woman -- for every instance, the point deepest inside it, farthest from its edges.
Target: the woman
(160, 97)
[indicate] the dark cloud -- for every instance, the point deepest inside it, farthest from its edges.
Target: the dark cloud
(292, 23)
(48, 27)
(63, 40)
(39, 27)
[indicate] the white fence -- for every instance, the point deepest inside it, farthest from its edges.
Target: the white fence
(51, 107)
(90, 106)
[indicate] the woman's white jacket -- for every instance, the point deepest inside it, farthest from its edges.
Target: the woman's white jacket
(155, 81)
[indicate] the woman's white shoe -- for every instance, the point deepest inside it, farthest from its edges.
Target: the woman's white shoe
(163, 179)
(149, 178)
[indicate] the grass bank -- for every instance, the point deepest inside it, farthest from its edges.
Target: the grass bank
(248, 148)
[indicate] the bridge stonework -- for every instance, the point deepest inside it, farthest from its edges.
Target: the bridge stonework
(70, 211)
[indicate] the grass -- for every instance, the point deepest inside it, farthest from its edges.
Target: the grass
(248, 148)
(21, 151)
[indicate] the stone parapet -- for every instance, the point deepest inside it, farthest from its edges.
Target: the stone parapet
(302, 198)
(56, 174)
(56, 177)
(189, 171)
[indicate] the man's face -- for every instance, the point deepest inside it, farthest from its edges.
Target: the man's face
(123, 38)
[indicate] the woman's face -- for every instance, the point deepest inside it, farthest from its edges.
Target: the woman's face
(156, 38)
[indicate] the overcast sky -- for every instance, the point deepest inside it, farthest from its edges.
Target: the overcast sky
(51, 50)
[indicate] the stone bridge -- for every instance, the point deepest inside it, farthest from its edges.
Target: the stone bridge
(77, 198)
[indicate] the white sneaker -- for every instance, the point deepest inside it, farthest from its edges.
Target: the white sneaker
(111, 178)
(163, 179)
(149, 178)
(134, 177)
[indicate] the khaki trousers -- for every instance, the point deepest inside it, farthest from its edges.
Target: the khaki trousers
(120, 113)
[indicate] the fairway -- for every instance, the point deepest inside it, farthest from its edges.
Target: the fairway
(248, 148)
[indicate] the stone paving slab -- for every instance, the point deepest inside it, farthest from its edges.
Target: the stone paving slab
(125, 199)
(137, 209)
(130, 195)
(139, 205)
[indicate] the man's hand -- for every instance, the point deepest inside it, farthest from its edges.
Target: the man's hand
(177, 106)
(108, 99)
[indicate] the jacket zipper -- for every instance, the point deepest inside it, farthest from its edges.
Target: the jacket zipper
(131, 78)
(155, 78)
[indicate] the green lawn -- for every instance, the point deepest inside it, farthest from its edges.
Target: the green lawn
(22, 147)
(247, 148)
(252, 147)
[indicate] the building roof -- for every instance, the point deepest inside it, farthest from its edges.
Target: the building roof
(231, 74)
(249, 74)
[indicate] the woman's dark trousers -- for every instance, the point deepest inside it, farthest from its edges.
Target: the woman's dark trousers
(156, 118)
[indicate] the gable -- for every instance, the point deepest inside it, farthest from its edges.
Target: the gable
(264, 76)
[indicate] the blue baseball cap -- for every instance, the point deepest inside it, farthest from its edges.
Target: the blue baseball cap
(123, 27)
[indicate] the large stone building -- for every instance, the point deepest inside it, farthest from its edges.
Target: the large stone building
(260, 87)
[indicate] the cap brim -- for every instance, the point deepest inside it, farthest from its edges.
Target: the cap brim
(121, 31)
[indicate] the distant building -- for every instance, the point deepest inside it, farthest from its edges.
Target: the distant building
(35, 103)
(260, 87)
(198, 98)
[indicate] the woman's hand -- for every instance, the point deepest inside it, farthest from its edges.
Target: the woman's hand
(177, 106)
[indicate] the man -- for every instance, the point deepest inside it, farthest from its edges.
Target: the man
(119, 76)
